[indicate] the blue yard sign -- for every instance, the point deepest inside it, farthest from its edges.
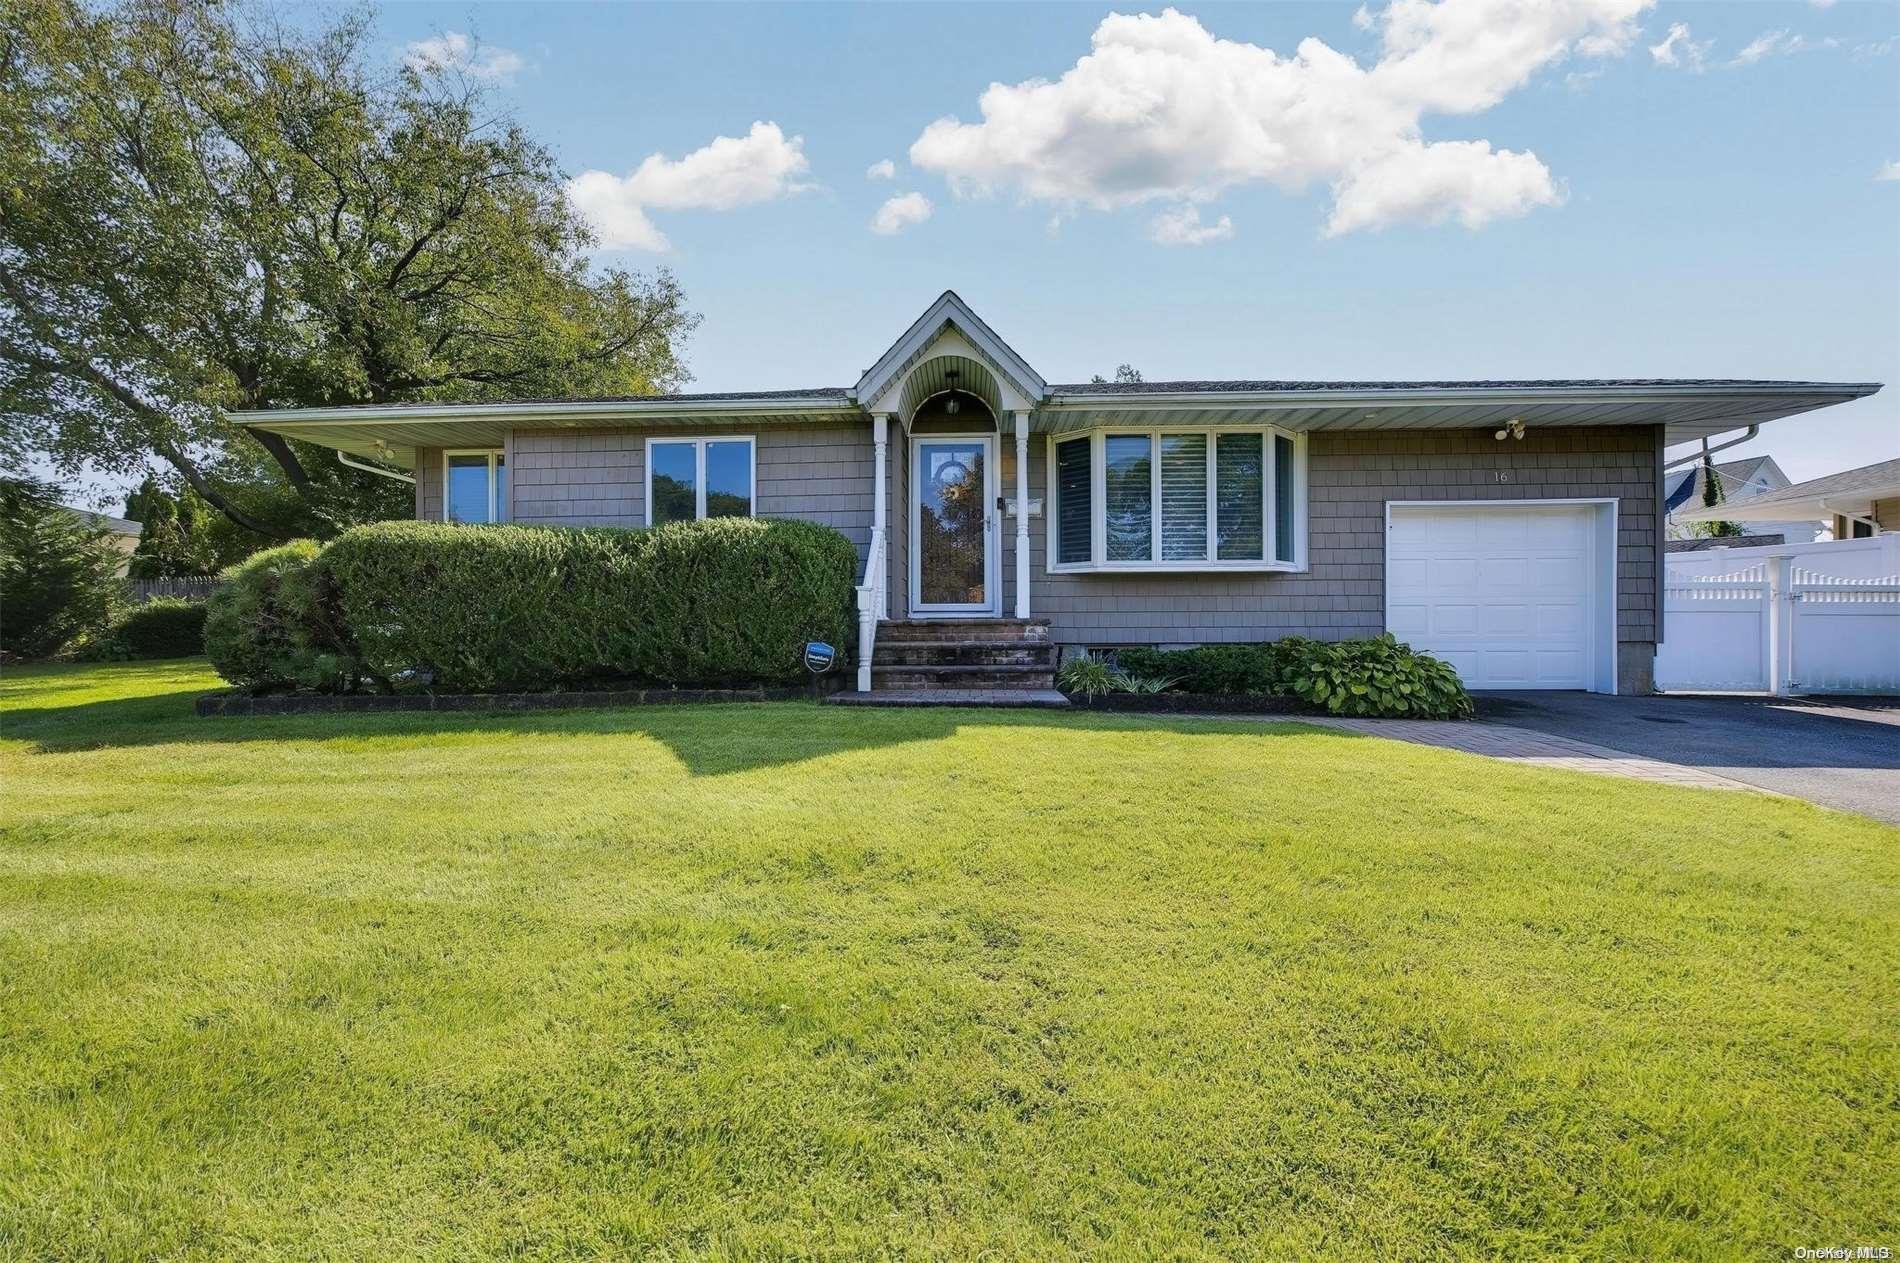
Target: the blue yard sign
(819, 656)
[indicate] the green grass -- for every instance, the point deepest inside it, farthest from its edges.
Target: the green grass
(766, 981)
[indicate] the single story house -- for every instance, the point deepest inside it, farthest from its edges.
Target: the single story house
(1854, 504)
(1686, 488)
(1513, 527)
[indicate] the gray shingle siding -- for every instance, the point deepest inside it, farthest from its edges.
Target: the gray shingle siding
(429, 484)
(580, 477)
(898, 595)
(1351, 476)
(597, 477)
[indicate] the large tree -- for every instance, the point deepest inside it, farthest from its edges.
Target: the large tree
(203, 213)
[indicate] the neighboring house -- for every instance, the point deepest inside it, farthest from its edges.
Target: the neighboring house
(1717, 543)
(1735, 481)
(124, 534)
(1854, 504)
(1514, 527)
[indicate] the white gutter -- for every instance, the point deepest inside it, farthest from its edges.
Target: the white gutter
(1451, 397)
(1708, 451)
(410, 414)
(397, 474)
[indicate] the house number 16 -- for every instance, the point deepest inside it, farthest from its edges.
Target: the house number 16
(1503, 475)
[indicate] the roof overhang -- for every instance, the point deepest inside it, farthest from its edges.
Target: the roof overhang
(1799, 508)
(1687, 412)
(392, 433)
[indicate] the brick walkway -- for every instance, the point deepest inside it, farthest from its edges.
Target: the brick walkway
(1522, 745)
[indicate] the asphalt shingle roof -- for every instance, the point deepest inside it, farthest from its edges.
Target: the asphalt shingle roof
(1880, 479)
(1585, 383)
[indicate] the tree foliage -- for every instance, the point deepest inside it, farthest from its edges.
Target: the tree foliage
(203, 213)
(57, 573)
(1125, 375)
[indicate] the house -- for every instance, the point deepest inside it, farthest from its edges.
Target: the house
(1514, 527)
(122, 533)
(1735, 481)
(1854, 504)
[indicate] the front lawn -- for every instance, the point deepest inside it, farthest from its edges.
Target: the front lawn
(756, 981)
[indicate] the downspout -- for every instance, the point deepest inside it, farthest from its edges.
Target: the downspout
(376, 469)
(1708, 451)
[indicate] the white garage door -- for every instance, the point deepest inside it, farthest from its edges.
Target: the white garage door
(1505, 593)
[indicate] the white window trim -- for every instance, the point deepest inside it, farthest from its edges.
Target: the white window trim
(1098, 508)
(495, 507)
(699, 469)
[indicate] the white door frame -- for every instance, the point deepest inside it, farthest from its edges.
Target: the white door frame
(992, 603)
(1602, 606)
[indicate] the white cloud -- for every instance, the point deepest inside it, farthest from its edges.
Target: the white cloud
(882, 169)
(1889, 171)
(731, 171)
(1162, 110)
(901, 212)
(456, 52)
(1362, 18)
(1780, 43)
(1183, 227)
(1678, 49)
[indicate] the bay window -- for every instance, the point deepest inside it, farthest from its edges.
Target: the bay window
(474, 486)
(696, 478)
(1175, 499)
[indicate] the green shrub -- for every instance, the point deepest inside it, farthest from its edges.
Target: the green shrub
(716, 602)
(58, 576)
(1087, 675)
(273, 624)
(1379, 677)
(1233, 670)
(163, 628)
(1143, 685)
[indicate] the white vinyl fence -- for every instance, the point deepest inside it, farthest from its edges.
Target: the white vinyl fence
(1806, 618)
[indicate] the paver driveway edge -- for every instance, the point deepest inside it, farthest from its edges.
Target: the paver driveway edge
(1524, 745)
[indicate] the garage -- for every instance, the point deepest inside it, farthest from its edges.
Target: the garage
(1517, 594)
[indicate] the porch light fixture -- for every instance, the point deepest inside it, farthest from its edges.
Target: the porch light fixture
(1514, 427)
(951, 404)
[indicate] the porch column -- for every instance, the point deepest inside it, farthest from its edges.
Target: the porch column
(880, 508)
(1022, 515)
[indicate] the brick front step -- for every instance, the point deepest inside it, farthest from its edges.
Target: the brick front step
(950, 653)
(962, 677)
(1015, 698)
(964, 630)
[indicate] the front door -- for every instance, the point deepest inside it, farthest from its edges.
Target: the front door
(953, 548)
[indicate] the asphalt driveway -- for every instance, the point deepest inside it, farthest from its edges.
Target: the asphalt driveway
(1839, 752)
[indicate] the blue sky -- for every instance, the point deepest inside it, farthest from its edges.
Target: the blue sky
(1702, 207)
(1725, 219)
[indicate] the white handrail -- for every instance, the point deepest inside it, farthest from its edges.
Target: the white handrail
(870, 607)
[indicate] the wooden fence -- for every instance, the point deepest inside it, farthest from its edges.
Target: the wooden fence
(192, 589)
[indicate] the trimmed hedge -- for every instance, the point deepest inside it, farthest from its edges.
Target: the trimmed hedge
(480, 608)
(164, 628)
(274, 624)
(1248, 670)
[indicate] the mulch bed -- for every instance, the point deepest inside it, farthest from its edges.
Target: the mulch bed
(240, 703)
(1199, 703)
